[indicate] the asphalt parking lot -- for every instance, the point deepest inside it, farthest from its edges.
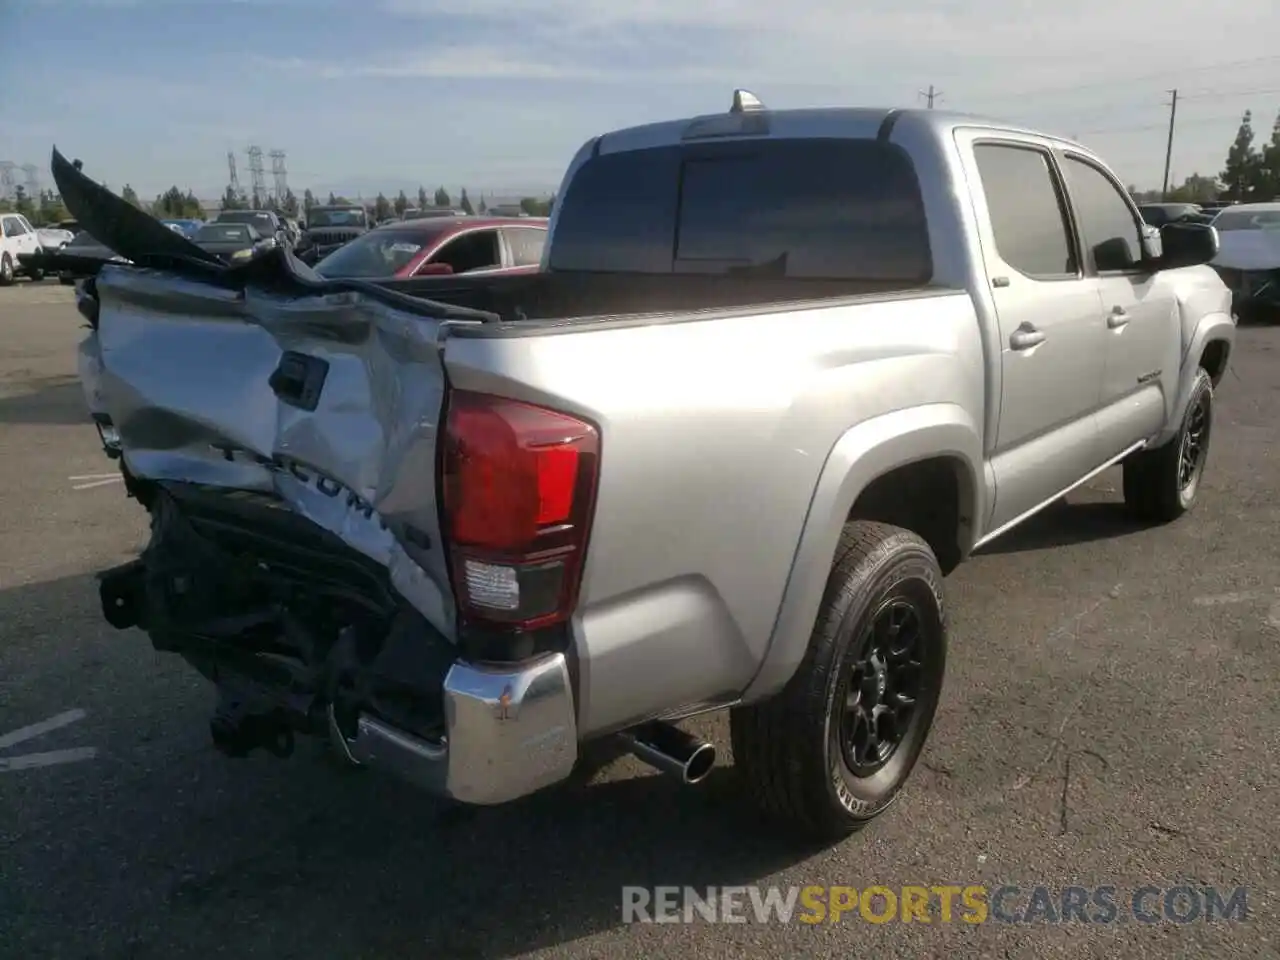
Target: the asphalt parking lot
(1111, 716)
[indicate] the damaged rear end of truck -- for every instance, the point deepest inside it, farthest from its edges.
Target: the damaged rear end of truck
(341, 542)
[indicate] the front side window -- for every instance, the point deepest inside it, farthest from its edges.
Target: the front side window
(1107, 224)
(477, 250)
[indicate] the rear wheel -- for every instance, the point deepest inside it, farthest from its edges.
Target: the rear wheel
(1161, 485)
(6, 270)
(833, 749)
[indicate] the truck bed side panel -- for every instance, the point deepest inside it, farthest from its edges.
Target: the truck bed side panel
(714, 433)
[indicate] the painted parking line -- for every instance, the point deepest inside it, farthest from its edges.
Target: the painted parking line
(52, 758)
(46, 758)
(1247, 596)
(90, 480)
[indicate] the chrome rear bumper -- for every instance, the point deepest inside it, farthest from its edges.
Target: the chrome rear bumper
(510, 732)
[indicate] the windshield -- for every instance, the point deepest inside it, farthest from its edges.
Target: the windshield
(375, 255)
(1230, 220)
(261, 221)
(224, 233)
(336, 218)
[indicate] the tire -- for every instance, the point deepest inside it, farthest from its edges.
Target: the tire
(791, 748)
(1161, 485)
(6, 271)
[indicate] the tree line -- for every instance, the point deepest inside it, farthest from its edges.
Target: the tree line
(381, 208)
(48, 209)
(174, 204)
(1251, 172)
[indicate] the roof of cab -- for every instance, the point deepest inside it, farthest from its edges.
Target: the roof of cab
(836, 122)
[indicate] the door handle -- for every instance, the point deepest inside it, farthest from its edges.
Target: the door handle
(1117, 318)
(1026, 337)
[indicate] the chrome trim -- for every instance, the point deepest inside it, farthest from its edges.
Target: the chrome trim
(510, 732)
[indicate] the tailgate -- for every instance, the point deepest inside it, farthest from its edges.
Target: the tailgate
(329, 402)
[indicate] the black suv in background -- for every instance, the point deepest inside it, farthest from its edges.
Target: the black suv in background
(267, 223)
(329, 228)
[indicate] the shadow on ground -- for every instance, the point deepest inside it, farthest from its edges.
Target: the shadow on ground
(302, 857)
(45, 401)
(1064, 524)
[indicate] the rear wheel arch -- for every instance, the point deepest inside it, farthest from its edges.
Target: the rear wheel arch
(918, 468)
(1214, 357)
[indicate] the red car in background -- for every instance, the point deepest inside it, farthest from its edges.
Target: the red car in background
(440, 247)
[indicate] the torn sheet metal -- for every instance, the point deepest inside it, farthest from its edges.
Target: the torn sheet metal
(184, 369)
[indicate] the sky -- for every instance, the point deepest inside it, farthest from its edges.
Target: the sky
(497, 95)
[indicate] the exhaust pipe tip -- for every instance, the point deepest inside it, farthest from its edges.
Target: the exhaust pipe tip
(671, 750)
(699, 766)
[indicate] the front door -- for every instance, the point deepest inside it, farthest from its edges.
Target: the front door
(1140, 314)
(1051, 344)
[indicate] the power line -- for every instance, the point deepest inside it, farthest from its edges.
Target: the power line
(1225, 94)
(1111, 82)
(1134, 128)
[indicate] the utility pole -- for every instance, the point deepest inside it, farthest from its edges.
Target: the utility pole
(930, 95)
(1168, 150)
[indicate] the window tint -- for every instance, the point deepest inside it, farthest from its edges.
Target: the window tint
(1106, 222)
(832, 209)
(477, 250)
(9, 226)
(1026, 211)
(1156, 216)
(526, 245)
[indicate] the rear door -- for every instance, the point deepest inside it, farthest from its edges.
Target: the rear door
(1140, 323)
(1049, 311)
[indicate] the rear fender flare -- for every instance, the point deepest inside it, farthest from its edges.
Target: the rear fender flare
(863, 453)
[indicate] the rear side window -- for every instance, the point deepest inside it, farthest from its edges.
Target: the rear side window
(834, 209)
(1026, 210)
(526, 245)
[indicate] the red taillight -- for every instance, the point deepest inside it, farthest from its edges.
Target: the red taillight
(519, 485)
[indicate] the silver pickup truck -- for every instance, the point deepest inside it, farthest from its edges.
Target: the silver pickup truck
(780, 372)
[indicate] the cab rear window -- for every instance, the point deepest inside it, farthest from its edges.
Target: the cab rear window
(815, 209)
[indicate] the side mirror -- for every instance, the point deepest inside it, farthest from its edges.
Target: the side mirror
(435, 270)
(1187, 245)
